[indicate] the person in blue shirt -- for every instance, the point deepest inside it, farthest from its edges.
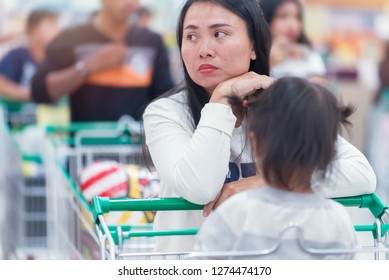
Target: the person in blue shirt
(18, 65)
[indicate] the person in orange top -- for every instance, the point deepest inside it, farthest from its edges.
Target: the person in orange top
(108, 67)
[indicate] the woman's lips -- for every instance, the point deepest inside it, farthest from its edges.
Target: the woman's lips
(207, 68)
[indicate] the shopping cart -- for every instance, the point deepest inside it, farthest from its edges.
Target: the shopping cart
(22, 182)
(34, 238)
(11, 188)
(18, 114)
(23, 196)
(113, 237)
(69, 150)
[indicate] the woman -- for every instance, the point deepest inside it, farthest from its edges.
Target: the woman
(197, 140)
(291, 53)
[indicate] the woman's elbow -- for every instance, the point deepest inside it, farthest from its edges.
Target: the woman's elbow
(198, 192)
(201, 199)
(369, 181)
(365, 181)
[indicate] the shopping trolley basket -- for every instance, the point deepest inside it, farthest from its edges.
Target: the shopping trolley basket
(85, 143)
(113, 237)
(69, 149)
(23, 188)
(11, 185)
(18, 114)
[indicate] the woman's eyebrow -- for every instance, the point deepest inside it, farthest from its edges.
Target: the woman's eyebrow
(213, 26)
(218, 25)
(191, 26)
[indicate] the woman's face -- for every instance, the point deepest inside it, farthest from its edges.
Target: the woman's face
(287, 21)
(215, 45)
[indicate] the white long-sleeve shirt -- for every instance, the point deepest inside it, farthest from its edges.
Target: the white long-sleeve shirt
(194, 163)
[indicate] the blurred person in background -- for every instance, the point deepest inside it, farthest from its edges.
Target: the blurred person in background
(383, 72)
(144, 17)
(108, 67)
(377, 136)
(292, 53)
(19, 65)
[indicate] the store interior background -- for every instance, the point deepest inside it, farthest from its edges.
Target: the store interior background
(349, 34)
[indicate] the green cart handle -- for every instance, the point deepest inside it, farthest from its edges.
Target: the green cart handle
(74, 127)
(123, 124)
(123, 132)
(370, 201)
(102, 205)
(377, 232)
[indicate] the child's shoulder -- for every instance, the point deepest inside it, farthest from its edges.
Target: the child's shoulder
(241, 198)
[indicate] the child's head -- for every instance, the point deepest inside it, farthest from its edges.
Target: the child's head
(42, 26)
(293, 126)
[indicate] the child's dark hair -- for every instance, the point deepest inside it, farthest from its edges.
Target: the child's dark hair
(36, 16)
(295, 123)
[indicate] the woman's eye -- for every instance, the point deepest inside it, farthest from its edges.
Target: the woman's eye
(191, 37)
(219, 34)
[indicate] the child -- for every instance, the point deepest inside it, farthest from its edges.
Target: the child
(293, 128)
(19, 65)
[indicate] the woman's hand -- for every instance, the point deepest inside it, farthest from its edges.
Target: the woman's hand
(230, 189)
(240, 87)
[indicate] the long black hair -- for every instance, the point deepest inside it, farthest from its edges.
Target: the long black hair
(270, 8)
(259, 33)
(295, 123)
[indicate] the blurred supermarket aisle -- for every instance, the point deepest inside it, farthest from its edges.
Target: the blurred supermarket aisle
(344, 36)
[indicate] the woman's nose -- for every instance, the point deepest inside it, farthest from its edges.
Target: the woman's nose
(206, 49)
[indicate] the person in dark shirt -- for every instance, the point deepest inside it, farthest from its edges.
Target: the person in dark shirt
(383, 74)
(108, 67)
(18, 66)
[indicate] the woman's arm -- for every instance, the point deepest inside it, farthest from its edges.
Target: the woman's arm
(350, 174)
(228, 190)
(193, 164)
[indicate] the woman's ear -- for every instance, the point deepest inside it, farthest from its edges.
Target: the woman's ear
(253, 55)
